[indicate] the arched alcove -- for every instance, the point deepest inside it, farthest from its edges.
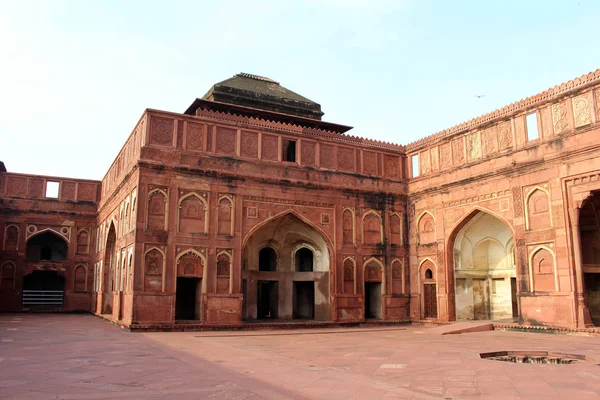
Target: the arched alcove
(109, 265)
(47, 246)
(485, 284)
(287, 261)
(589, 228)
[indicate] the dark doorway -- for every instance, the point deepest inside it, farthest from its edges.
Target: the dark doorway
(373, 300)
(187, 304)
(43, 290)
(267, 260)
(513, 296)
(304, 260)
(244, 298)
(46, 246)
(430, 300)
(267, 299)
(304, 300)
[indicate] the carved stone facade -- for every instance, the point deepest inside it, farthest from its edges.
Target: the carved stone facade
(223, 215)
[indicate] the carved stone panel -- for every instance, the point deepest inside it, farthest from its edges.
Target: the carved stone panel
(435, 162)
(546, 119)
(458, 150)
(425, 162)
(68, 191)
(369, 163)
(16, 186)
(520, 133)
(194, 137)
(505, 140)
(560, 117)
(269, 147)
(249, 144)
(446, 155)
(327, 156)
(391, 165)
(161, 131)
(597, 102)
(346, 159)
(474, 145)
(581, 110)
(36, 189)
(489, 141)
(308, 154)
(86, 192)
(225, 141)
(426, 227)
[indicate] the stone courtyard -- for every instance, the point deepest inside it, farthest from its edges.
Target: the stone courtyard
(68, 356)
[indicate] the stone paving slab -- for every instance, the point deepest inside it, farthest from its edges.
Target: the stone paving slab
(81, 356)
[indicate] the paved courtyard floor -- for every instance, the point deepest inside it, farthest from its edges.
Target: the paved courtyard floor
(81, 357)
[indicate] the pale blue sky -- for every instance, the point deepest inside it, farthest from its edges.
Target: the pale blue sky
(76, 75)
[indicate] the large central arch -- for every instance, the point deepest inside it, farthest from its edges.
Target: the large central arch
(482, 276)
(108, 281)
(286, 270)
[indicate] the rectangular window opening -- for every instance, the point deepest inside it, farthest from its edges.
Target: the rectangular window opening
(289, 150)
(52, 189)
(532, 127)
(415, 165)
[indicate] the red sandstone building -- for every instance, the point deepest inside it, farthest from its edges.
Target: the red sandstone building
(249, 207)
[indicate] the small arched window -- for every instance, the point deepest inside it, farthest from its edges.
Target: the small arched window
(304, 260)
(267, 260)
(428, 274)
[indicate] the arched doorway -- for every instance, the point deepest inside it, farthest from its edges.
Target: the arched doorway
(286, 271)
(483, 269)
(589, 227)
(109, 264)
(373, 290)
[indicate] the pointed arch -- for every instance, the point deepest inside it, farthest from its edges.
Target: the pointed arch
(8, 275)
(47, 244)
(398, 276)
(349, 275)
(224, 265)
(535, 274)
(80, 278)
(372, 231)
(11, 237)
(194, 263)
(154, 269)
(396, 229)
(225, 215)
(382, 277)
(189, 219)
(301, 218)
(426, 228)
(157, 211)
(57, 233)
(348, 226)
(537, 212)
(83, 241)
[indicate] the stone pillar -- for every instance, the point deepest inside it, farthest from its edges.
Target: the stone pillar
(584, 319)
